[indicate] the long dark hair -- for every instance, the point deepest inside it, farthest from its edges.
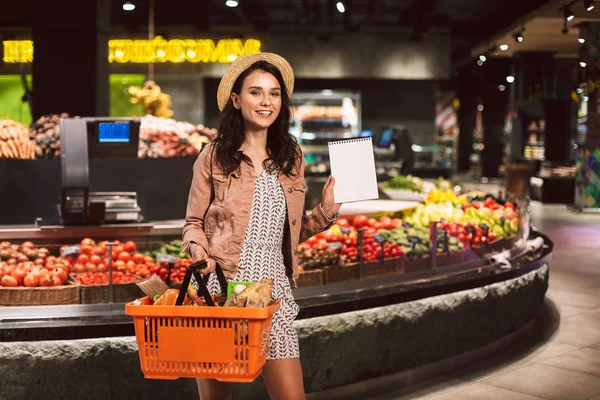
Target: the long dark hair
(282, 148)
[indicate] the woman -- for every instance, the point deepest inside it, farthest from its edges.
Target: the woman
(246, 206)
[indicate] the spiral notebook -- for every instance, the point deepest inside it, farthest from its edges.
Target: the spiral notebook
(353, 168)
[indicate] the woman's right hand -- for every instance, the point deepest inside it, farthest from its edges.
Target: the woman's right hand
(198, 254)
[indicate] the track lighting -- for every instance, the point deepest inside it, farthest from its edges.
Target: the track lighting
(232, 3)
(583, 64)
(340, 7)
(569, 14)
(518, 37)
(503, 47)
(589, 4)
(128, 6)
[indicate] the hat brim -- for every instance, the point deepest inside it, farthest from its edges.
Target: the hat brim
(242, 64)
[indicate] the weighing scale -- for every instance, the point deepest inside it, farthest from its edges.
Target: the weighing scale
(83, 139)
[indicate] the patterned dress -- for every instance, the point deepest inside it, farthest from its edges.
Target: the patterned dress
(262, 257)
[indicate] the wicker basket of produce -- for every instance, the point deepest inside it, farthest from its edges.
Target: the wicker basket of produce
(28, 284)
(94, 287)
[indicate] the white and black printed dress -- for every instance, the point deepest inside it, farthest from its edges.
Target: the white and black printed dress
(262, 257)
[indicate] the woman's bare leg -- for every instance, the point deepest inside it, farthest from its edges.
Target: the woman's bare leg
(283, 379)
(212, 389)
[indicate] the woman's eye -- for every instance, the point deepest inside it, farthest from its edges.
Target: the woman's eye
(275, 94)
(255, 93)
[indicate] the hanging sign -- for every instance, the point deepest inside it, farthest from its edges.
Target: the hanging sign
(157, 50)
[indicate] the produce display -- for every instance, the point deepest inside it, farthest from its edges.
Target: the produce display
(15, 141)
(403, 182)
(26, 265)
(164, 137)
(46, 134)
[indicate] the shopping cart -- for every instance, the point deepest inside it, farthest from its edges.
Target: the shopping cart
(225, 343)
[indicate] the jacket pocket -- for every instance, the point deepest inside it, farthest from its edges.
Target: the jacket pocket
(220, 183)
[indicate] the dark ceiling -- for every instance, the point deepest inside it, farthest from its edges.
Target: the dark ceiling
(467, 21)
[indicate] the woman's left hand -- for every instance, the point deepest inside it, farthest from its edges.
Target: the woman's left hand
(327, 202)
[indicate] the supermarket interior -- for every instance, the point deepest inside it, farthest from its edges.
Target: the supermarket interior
(472, 275)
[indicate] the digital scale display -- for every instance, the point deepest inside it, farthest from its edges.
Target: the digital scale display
(111, 132)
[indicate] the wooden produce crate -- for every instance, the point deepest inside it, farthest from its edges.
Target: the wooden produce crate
(311, 278)
(418, 264)
(95, 294)
(40, 296)
(388, 266)
(339, 273)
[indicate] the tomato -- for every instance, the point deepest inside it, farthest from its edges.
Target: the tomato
(386, 222)
(78, 267)
(119, 265)
(32, 279)
(149, 260)
(83, 259)
(39, 261)
(61, 274)
(49, 280)
(123, 256)
(99, 251)
(101, 268)
(116, 250)
(9, 281)
(87, 242)
(343, 222)
(130, 246)
(371, 223)
(359, 221)
(95, 260)
(85, 249)
(91, 267)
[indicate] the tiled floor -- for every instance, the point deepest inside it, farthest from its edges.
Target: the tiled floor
(559, 358)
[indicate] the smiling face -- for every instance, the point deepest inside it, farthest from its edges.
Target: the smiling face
(259, 99)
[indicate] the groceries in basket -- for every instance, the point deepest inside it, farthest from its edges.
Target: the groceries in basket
(256, 295)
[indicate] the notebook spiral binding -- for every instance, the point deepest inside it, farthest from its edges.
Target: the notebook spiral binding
(363, 139)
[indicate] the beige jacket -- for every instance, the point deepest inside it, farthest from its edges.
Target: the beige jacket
(219, 206)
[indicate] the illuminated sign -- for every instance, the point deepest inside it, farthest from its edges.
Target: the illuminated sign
(157, 50)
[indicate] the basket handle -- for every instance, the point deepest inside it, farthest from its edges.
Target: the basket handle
(194, 269)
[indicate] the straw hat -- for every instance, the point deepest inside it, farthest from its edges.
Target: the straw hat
(242, 64)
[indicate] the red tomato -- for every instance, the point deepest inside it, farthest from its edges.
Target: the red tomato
(85, 249)
(116, 250)
(91, 267)
(19, 274)
(138, 258)
(78, 267)
(83, 259)
(32, 279)
(101, 268)
(99, 251)
(124, 256)
(130, 246)
(9, 281)
(119, 265)
(359, 221)
(49, 280)
(61, 274)
(343, 222)
(149, 260)
(95, 260)
(370, 223)
(87, 242)
(386, 222)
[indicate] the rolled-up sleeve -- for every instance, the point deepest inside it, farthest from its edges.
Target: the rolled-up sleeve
(315, 222)
(199, 200)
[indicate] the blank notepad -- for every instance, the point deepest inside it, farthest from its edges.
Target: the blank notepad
(353, 168)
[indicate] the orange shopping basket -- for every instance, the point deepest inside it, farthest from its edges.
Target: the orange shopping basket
(225, 343)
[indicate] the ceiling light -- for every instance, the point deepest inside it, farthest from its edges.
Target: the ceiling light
(589, 4)
(585, 98)
(503, 47)
(231, 3)
(510, 79)
(581, 40)
(518, 37)
(480, 107)
(128, 6)
(583, 64)
(579, 90)
(482, 58)
(569, 14)
(340, 7)
(479, 62)
(501, 88)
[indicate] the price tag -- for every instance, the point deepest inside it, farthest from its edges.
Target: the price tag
(334, 246)
(484, 227)
(345, 230)
(442, 232)
(414, 239)
(380, 239)
(70, 250)
(502, 221)
(166, 258)
(470, 229)
(47, 140)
